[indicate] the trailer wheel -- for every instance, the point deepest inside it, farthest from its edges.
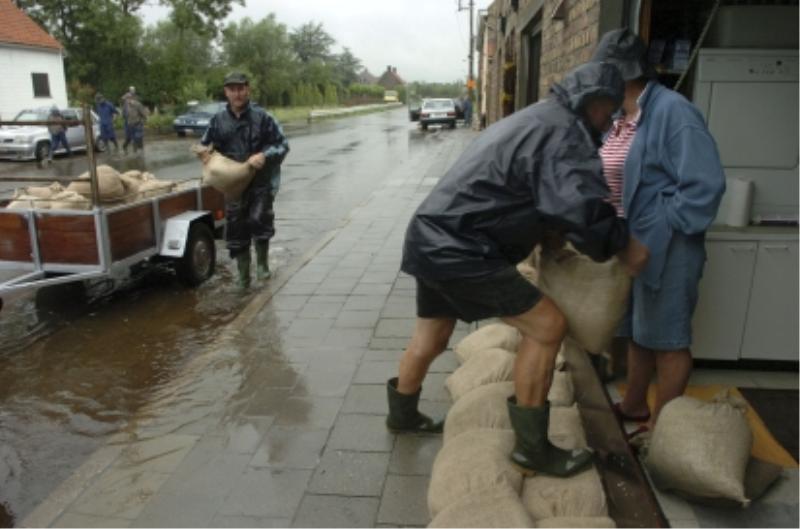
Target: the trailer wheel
(199, 258)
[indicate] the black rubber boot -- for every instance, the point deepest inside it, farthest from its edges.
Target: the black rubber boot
(533, 452)
(404, 417)
(243, 266)
(262, 264)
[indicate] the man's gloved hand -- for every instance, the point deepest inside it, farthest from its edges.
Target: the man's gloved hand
(257, 160)
(634, 257)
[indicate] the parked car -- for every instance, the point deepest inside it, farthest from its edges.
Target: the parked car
(437, 111)
(32, 142)
(459, 108)
(196, 120)
(391, 96)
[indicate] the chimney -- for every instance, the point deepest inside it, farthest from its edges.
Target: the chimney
(389, 68)
(394, 69)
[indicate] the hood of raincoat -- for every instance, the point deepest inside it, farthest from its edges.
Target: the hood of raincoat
(535, 170)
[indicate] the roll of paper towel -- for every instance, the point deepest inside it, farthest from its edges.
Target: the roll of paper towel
(740, 201)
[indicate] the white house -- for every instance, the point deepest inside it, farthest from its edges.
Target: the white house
(31, 64)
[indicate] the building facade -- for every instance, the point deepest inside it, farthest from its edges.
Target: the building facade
(32, 63)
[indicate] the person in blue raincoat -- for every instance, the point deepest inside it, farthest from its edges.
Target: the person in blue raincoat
(672, 182)
(106, 111)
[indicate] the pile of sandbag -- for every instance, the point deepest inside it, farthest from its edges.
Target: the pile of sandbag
(223, 174)
(701, 451)
(474, 483)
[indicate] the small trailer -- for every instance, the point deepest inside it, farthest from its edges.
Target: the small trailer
(57, 246)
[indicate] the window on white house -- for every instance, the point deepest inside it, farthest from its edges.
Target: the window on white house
(41, 85)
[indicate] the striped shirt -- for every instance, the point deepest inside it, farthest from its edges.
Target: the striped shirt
(613, 152)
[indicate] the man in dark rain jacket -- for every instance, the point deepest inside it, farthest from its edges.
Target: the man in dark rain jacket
(246, 133)
(532, 173)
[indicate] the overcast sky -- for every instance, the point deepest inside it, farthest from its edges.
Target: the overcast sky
(427, 40)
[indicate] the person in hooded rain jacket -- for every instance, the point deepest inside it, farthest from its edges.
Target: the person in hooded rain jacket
(245, 132)
(664, 165)
(106, 111)
(532, 173)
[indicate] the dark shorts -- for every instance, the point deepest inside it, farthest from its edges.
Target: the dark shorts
(504, 293)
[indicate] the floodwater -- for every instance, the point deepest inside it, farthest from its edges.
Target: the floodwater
(80, 364)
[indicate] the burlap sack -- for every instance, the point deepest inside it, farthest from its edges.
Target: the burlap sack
(473, 463)
(565, 429)
(154, 188)
(593, 296)
(481, 409)
(498, 507)
(223, 174)
(701, 448)
(562, 392)
(39, 191)
(483, 367)
(526, 269)
(494, 335)
(28, 202)
(580, 495)
(70, 200)
(574, 521)
(109, 184)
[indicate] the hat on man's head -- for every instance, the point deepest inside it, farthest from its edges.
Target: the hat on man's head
(625, 50)
(235, 78)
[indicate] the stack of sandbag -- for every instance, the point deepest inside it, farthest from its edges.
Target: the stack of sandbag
(701, 449)
(109, 185)
(593, 296)
(70, 200)
(474, 483)
(223, 174)
(142, 185)
(37, 197)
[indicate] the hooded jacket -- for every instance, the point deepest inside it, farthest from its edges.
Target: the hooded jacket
(533, 170)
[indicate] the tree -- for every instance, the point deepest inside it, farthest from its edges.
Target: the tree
(310, 41)
(263, 49)
(346, 67)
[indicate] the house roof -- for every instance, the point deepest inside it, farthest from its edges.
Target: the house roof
(390, 79)
(19, 28)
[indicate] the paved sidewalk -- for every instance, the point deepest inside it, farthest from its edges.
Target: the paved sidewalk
(298, 437)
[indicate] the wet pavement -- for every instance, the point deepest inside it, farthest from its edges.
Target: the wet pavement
(156, 405)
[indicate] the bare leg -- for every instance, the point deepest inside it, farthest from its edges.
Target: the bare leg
(430, 339)
(641, 365)
(673, 369)
(543, 329)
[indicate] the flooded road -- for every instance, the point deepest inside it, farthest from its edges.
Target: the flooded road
(77, 366)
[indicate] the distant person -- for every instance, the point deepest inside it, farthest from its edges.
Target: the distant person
(106, 110)
(466, 105)
(58, 133)
(135, 115)
(246, 133)
(531, 173)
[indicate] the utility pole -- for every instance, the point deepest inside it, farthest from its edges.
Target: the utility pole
(470, 76)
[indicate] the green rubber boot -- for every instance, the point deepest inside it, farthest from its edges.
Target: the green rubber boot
(243, 264)
(262, 264)
(404, 417)
(533, 452)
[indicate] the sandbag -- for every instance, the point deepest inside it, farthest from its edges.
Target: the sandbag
(562, 391)
(223, 174)
(580, 495)
(483, 367)
(526, 270)
(565, 429)
(154, 188)
(109, 184)
(482, 408)
(28, 202)
(472, 463)
(494, 335)
(498, 507)
(70, 200)
(574, 521)
(39, 191)
(701, 448)
(593, 296)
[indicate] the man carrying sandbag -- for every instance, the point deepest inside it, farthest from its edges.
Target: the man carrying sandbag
(245, 132)
(535, 171)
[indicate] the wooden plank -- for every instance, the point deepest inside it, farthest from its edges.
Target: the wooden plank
(173, 205)
(67, 239)
(15, 239)
(631, 501)
(213, 201)
(131, 231)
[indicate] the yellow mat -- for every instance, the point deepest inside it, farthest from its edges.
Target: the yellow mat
(765, 446)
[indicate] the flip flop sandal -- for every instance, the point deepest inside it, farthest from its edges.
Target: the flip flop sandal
(617, 407)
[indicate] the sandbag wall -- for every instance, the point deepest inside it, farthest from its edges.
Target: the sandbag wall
(114, 188)
(473, 482)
